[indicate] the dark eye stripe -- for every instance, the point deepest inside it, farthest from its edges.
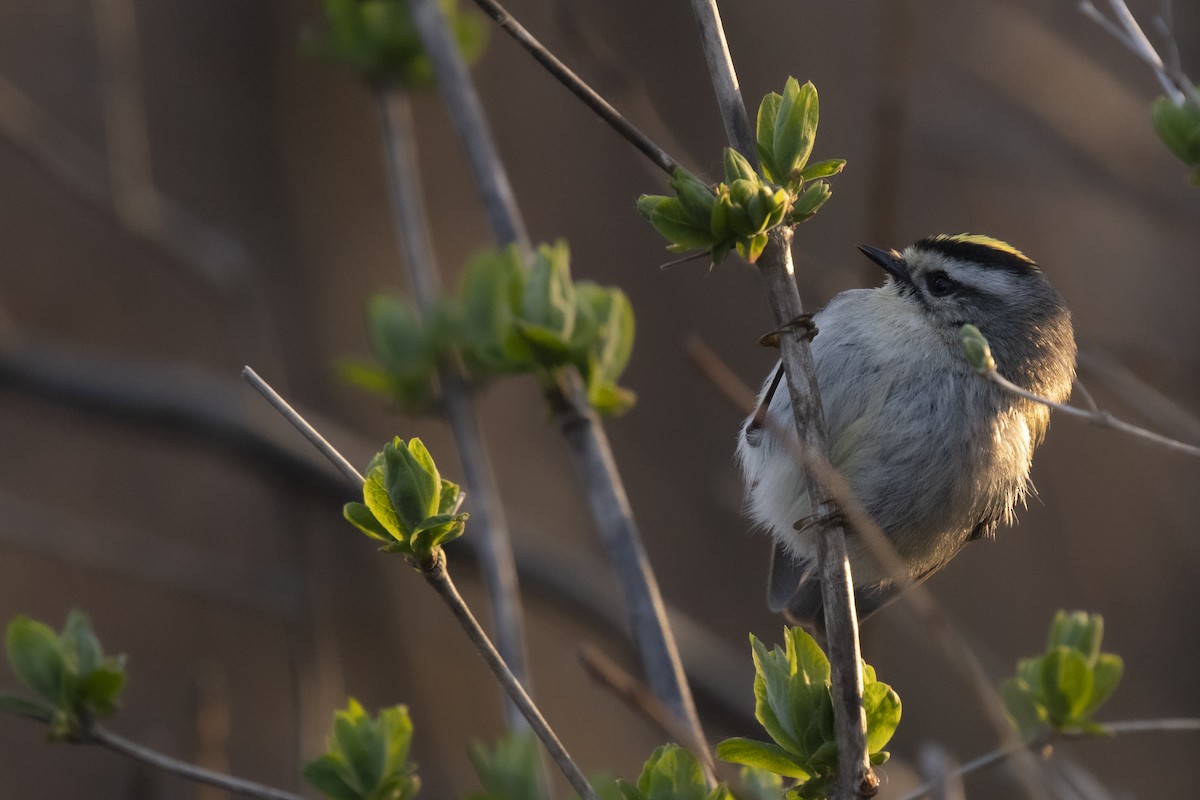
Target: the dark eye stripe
(940, 284)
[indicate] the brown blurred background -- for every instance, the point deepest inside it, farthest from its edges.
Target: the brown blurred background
(182, 193)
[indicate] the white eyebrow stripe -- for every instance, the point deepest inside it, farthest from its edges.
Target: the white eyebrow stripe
(989, 281)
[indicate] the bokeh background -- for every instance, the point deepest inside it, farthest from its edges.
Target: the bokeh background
(183, 192)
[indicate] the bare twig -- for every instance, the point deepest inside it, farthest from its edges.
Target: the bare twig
(589, 445)
(1164, 412)
(493, 545)
(1127, 31)
(439, 579)
(854, 774)
(1127, 727)
(940, 771)
(639, 697)
(301, 424)
(573, 82)
(724, 80)
(1102, 419)
(119, 744)
(622, 541)
(466, 114)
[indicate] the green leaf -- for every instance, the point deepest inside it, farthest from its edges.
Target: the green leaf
(760, 784)
(1027, 714)
(768, 111)
(489, 298)
(330, 776)
(822, 169)
(24, 707)
(752, 248)
(1079, 631)
(36, 657)
(772, 684)
(815, 195)
(672, 221)
(361, 517)
(672, 773)
(738, 168)
(882, 706)
(1106, 676)
(795, 128)
(549, 301)
(396, 336)
(100, 689)
(450, 498)
(762, 755)
(695, 195)
(1179, 128)
(511, 770)
(80, 647)
(1066, 684)
(379, 502)
(412, 481)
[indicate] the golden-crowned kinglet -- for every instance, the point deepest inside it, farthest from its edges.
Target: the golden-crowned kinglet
(936, 454)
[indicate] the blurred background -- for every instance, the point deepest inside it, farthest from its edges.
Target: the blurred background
(182, 192)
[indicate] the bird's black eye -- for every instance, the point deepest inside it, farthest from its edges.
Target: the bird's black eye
(940, 284)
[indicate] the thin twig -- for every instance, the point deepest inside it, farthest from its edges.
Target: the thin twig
(638, 696)
(1127, 31)
(622, 542)
(724, 80)
(291, 415)
(590, 97)
(1122, 728)
(466, 114)
(119, 744)
(491, 541)
(854, 774)
(439, 579)
(1102, 419)
(589, 445)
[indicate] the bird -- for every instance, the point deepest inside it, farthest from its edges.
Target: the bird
(937, 455)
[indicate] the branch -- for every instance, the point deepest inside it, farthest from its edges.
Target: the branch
(1127, 31)
(622, 542)
(1102, 419)
(854, 774)
(1186, 725)
(437, 576)
(118, 744)
(439, 579)
(590, 97)
(493, 545)
(588, 443)
(724, 80)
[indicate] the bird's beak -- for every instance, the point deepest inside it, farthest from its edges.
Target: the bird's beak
(891, 261)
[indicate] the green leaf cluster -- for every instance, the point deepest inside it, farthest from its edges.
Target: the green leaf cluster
(739, 212)
(794, 705)
(367, 758)
(1178, 125)
(377, 39)
(672, 773)
(1061, 689)
(407, 504)
(510, 770)
(539, 320)
(73, 679)
(506, 318)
